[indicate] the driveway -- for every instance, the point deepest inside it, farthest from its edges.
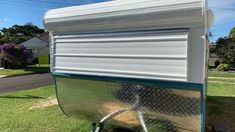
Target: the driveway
(25, 82)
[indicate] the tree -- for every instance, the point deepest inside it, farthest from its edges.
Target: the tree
(18, 34)
(225, 50)
(15, 56)
(210, 34)
(232, 34)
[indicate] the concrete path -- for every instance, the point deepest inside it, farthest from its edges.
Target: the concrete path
(2, 76)
(16, 83)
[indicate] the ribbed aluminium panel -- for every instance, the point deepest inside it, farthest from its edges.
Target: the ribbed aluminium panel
(150, 54)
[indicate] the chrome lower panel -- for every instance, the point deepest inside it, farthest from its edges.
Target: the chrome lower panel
(163, 109)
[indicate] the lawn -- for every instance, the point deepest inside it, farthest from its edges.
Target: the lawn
(16, 114)
(31, 69)
(221, 99)
(230, 74)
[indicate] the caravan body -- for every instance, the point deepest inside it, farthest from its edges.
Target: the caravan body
(104, 54)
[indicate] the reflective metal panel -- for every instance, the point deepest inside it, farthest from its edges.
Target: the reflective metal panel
(163, 109)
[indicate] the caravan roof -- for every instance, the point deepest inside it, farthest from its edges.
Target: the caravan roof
(121, 14)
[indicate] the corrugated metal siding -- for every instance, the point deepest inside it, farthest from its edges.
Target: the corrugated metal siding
(139, 54)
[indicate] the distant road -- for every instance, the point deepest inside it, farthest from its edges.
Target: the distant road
(16, 83)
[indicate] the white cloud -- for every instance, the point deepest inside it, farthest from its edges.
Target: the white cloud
(223, 10)
(5, 19)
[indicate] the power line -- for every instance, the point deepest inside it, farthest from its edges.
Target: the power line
(34, 4)
(47, 2)
(26, 10)
(30, 2)
(23, 5)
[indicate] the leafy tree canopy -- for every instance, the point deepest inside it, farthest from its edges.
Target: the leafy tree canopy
(232, 34)
(225, 48)
(18, 34)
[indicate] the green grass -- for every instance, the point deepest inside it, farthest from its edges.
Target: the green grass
(221, 74)
(221, 90)
(221, 99)
(224, 81)
(16, 116)
(28, 70)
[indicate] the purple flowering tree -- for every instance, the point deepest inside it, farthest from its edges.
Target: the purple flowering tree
(14, 56)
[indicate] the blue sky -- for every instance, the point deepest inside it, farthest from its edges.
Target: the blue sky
(224, 12)
(23, 11)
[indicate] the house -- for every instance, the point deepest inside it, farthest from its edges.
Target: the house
(213, 58)
(38, 49)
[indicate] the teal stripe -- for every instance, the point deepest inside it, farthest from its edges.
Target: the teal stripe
(203, 107)
(156, 83)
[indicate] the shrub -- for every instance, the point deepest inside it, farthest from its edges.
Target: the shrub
(14, 55)
(217, 63)
(223, 67)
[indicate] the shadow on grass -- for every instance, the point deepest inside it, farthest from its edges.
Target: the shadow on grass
(153, 125)
(220, 111)
(22, 97)
(114, 128)
(26, 71)
(120, 130)
(37, 69)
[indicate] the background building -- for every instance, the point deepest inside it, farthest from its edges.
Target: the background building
(38, 49)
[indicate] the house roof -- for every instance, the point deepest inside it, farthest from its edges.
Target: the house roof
(212, 46)
(35, 43)
(44, 37)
